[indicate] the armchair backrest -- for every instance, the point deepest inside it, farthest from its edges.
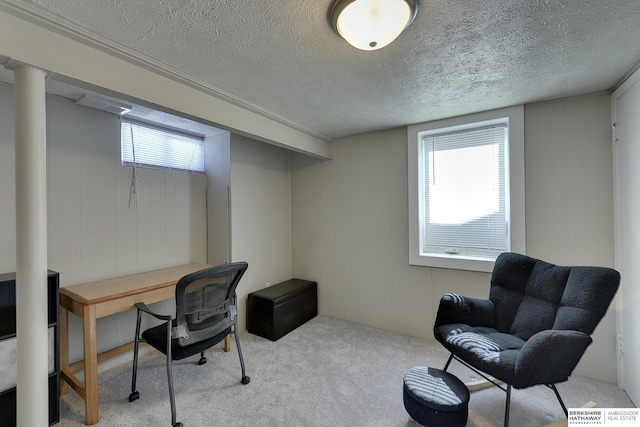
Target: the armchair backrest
(531, 295)
(206, 302)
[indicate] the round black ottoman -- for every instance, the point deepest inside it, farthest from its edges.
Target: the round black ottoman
(435, 398)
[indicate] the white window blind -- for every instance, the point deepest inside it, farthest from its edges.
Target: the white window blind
(464, 192)
(146, 145)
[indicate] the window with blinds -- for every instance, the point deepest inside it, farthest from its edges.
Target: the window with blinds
(150, 146)
(463, 180)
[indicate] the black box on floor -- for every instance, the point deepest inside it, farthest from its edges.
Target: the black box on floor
(277, 310)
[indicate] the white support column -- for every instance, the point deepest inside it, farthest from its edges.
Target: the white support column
(31, 247)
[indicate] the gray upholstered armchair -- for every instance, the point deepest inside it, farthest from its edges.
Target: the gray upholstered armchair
(534, 327)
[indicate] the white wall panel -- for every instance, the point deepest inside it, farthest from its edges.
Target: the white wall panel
(261, 215)
(170, 217)
(99, 135)
(142, 225)
(93, 232)
(126, 221)
(157, 244)
(545, 155)
(64, 186)
(308, 246)
(218, 167)
(569, 180)
(7, 180)
(191, 202)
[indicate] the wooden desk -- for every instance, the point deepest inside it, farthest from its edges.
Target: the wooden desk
(90, 301)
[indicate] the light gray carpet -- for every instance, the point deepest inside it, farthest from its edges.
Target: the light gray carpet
(328, 372)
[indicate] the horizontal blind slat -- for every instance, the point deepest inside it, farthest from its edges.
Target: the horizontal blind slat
(145, 145)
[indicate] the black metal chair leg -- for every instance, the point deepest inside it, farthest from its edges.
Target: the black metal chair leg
(507, 406)
(555, 390)
(172, 398)
(203, 359)
(134, 393)
(448, 362)
(245, 378)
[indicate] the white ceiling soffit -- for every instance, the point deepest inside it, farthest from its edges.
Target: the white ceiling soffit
(84, 94)
(457, 57)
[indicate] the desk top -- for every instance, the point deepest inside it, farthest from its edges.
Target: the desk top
(132, 284)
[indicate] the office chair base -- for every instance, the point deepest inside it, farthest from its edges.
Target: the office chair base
(246, 379)
(134, 396)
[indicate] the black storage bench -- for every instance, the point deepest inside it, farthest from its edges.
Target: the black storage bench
(277, 310)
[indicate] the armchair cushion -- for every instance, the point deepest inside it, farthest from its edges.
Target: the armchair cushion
(582, 310)
(455, 308)
(486, 349)
(528, 292)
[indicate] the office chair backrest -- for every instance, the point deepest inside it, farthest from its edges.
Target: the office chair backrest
(531, 295)
(205, 302)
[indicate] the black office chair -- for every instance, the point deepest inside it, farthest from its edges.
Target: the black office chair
(535, 326)
(205, 314)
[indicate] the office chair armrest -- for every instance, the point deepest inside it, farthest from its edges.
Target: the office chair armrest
(143, 307)
(456, 308)
(549, 357)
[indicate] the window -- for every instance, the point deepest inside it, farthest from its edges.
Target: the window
(146, 145)
(466, 183)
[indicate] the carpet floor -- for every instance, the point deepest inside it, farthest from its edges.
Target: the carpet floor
(328, 372)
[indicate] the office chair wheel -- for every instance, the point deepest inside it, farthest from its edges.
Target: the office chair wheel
(202, 360)
(177, 425)
(134, 396)
(246, 379)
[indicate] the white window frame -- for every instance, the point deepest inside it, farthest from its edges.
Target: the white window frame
(516, 186)
(145, 155)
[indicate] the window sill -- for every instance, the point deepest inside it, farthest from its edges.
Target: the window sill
(453, 262)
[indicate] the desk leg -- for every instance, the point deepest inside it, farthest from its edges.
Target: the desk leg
(90, 365)
(64, 347)
(227, 343)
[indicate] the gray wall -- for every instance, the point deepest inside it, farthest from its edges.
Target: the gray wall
(260, 215)
(569, 186)
(93, 233)
(350, 222)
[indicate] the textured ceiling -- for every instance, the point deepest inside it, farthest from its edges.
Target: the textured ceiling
(457, 57)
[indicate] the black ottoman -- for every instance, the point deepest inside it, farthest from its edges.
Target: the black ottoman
(435, 398)
(275, 311)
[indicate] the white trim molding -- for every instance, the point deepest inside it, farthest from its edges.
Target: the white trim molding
(32, 35)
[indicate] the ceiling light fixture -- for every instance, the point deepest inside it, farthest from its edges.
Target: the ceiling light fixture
(371, 24)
